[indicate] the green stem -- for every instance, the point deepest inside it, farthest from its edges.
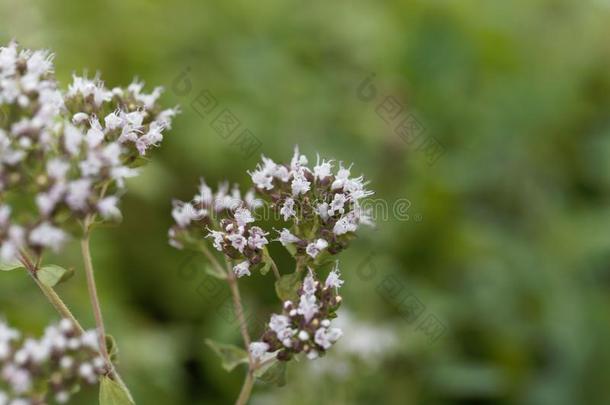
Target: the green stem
(93, 297)
(95, 304)
(275, 269)
(246, 389)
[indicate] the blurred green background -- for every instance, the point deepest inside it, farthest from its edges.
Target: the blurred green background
(507, 241)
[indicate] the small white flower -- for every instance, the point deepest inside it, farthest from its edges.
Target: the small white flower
(79, 118)
(95, 135)
(322, 210)
(286, 237)
(57, 169)
(322, 170)
(251, 201)
(309, 284)
(262, 180)
(72, 139)
(333, 280)
(184, 213)
(344, 225)
(299, 184)
(258, 349)
(341, 177)
(242, 269)
(298, 160)
(205, 195)
(336, 206)
(312, 355)
(308, 307)
(238, 241)
(287, 210)
(303, 335)
(108, 207)
(78, 194)
(257, 239)
(62, 397)
(314, 248)
(326, 337)
(219, 239)
(119, 174)
(113, 121)
(66, 362)
(46, 235)
(86, 371)
(279, 323)
(243, 216)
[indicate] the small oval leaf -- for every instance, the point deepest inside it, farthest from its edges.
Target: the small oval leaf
(274, 373)
(287, 286)
(8, 266)
(112, 393)
(230, 355)
(112, 348)
(52, 274)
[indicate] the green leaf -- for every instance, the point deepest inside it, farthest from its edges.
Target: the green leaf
(274, 373)
(52, 274)
(292, 249)
(8, 266)
(267, 262)
(265, 269)
(215, 272)
(230, 355)
(287, 286)
(112, 393)
(111, 346)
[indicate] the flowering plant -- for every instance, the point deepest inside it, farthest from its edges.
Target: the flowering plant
(322, 211)
(64, 158)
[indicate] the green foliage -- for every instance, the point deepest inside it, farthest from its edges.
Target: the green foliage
(511, 249)
(52, 274)
(112, 393)
(273, 373)
(287, 286)
(230, 355)
(7, 266)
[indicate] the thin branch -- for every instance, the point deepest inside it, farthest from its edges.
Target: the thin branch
(49, 293)
(274, 267)
(210, 256)
(246, 389)
(95, 304)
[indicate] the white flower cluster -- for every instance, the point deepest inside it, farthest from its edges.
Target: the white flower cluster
(58, 363)
(304, 327)
(239, 240)
(316, 202)
(228, 218)
(69, 151)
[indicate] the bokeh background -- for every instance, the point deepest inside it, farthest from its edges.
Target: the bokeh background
(502, 241)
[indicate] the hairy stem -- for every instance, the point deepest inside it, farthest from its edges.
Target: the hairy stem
(246, 389)
(239, 309)
(276, 272)
(95, 304)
